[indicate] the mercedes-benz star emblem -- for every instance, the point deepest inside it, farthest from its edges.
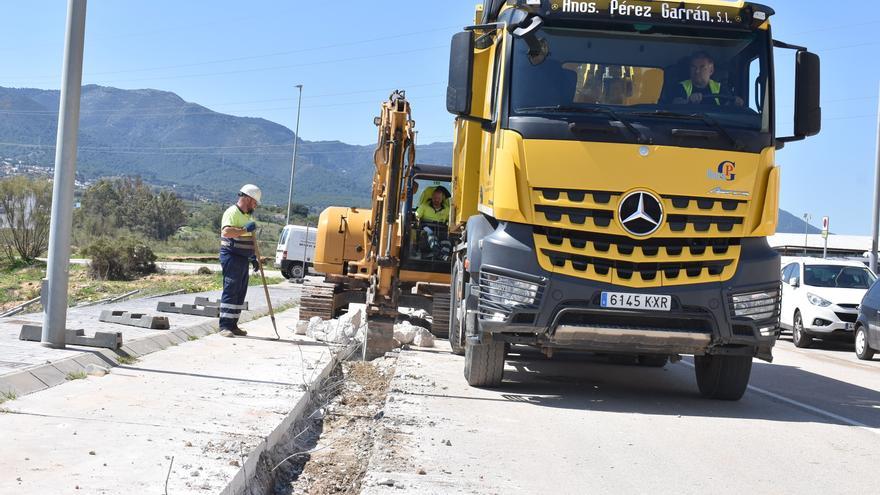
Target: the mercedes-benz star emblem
(641, 213)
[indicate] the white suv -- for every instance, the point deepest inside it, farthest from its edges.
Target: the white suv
(820, 298)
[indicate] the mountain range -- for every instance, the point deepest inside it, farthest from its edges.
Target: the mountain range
(174, 143)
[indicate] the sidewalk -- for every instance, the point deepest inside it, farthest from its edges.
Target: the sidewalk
(27, 367)
(213, 405)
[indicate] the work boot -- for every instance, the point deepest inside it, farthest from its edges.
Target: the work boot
(238, 332)
(226, 333)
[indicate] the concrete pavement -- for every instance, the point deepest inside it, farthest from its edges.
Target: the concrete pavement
(578, 424)
(212, 405)
(27, 367)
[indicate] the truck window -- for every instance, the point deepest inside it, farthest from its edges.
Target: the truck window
(644, 72)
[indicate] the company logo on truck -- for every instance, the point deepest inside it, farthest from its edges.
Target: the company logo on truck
(726, 172)
(641, 213)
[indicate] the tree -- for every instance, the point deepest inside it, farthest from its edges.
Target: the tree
(113, 205)
(25, 212)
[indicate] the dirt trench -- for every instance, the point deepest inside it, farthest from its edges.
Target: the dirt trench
(328, 451)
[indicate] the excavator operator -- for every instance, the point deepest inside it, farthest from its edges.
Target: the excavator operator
(433, 217)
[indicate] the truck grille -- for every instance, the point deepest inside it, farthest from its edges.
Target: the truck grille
(576, 234)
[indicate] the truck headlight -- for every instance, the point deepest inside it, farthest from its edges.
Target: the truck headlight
(509, 291)
(500, 295)
(757, 306)
(818, 301)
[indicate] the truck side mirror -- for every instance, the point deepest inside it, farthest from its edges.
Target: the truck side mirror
(808, 108)
(459, 92)
(807, 104)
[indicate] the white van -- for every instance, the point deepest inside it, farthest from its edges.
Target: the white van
(295, 251)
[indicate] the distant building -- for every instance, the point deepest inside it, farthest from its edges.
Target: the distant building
(839, 246)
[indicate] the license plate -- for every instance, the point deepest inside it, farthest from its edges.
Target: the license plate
(850, 326)
(636, 301)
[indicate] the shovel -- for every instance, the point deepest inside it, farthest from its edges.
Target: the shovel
(265, 287)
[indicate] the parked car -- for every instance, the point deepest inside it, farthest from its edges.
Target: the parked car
(295, 251)
(868, 324)
(820, 298)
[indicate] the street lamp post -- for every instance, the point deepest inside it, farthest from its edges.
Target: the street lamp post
(58, 266)
(807, 219)
(295, 141)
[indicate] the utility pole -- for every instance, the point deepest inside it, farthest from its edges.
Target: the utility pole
(876, 225)
(807, 219)
(295, 141)
(58, 269)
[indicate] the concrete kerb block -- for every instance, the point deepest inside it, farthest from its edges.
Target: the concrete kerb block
(207, 312)
(135, 319)
(109, 340)
(67, 366)
(104, 360)
(49, 375)
(21, 383)
(144, 346)
(175, 338)
(168, 307)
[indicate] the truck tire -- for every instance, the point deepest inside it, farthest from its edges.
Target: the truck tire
(458, 318)
(483, 363)
(863, 349)
(723, 377)
(798, 334)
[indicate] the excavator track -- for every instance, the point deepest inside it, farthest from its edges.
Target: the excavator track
(440, 315)
(317, 299)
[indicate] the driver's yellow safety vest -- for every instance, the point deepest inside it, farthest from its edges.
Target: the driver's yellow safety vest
(714, 87)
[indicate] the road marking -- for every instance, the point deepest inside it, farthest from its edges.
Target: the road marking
(812, 409)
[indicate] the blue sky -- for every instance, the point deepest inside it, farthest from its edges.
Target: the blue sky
(244, 58)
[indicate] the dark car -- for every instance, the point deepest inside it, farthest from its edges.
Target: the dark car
(867, 331)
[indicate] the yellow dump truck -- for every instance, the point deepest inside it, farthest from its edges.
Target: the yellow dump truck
(614, 183)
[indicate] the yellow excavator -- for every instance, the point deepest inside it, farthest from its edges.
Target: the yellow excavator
(387, 256)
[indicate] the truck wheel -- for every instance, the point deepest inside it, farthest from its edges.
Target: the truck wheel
(457, 316)
(653, 360)
(798, 334)
(484, 363)
(285, 272)
(863, 350)
(723, 377)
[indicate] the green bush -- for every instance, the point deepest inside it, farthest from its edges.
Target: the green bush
(120, 259)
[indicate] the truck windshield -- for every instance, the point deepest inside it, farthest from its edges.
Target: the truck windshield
(645, 75)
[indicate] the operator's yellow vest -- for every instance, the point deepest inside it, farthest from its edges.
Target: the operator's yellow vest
(714, 87)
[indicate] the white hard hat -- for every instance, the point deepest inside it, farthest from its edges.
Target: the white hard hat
(252, 191)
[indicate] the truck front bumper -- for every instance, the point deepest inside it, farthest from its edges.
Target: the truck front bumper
(560, 311)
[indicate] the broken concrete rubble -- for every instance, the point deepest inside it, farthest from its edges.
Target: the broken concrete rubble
(406, 333)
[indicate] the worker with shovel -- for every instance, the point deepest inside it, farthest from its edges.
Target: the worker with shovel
(237, 251)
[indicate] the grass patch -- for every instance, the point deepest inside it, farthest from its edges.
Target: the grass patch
(76, 375)
(192, 338)
(5, 396)
(126, 360)
(20, 283)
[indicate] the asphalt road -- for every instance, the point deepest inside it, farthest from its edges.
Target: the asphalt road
(810, 423)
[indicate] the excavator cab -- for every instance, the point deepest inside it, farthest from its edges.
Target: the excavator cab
(427, 246)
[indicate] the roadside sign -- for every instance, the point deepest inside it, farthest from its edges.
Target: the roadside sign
(826, 223)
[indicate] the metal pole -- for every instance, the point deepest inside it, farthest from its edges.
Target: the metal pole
(58, 270)
(295, 141)
(806, 231)
(876, 225)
